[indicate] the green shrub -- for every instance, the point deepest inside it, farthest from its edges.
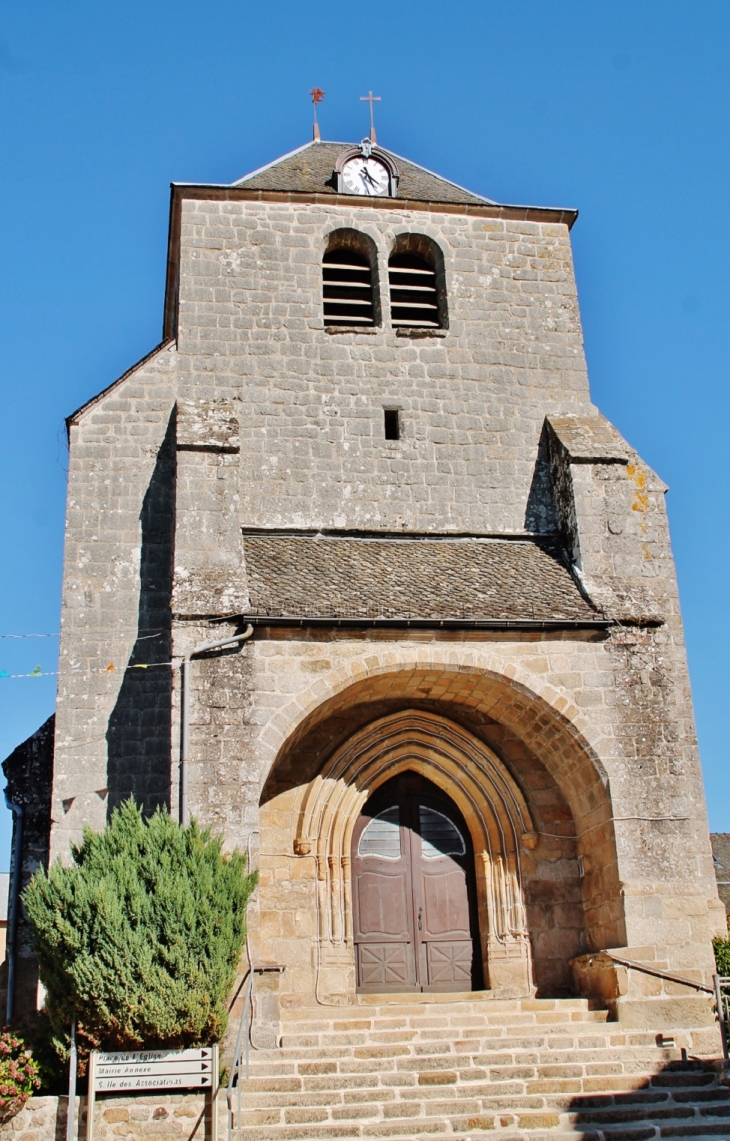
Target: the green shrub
(139, 938)
(722, 955)
(18, 1075)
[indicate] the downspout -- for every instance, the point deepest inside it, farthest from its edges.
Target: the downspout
(185, 733)
(17, 812)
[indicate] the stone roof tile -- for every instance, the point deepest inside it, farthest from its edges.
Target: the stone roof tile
(309, 171)
(482, 579)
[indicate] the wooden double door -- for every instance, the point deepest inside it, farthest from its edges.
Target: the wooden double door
(413, 892)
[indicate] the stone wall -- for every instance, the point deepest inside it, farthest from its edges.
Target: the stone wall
(170, 1117)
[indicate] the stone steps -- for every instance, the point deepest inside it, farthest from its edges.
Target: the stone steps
(467, 1068)
(458, 1053)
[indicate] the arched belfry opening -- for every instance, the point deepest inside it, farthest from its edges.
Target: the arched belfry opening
(350, 280)
(538, 865)
(417, 283)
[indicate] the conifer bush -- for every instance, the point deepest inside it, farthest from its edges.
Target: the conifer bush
(139, 937)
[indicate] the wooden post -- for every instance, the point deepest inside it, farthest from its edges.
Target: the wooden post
(91, 1099)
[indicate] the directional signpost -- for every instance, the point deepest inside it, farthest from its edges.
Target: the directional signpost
(152, 1069)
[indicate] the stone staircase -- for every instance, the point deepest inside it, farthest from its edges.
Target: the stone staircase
(470, 1067)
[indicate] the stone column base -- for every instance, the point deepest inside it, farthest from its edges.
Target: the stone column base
(509, 968)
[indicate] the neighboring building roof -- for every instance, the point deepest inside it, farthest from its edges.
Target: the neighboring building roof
(4, 890)
(418, 579)
(308, 170)
(721, 853)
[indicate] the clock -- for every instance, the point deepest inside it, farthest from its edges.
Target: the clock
(362, 175)
(366, 171)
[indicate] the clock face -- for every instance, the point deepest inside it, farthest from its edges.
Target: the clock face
(362, 175)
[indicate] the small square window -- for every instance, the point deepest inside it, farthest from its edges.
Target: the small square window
(392, 423)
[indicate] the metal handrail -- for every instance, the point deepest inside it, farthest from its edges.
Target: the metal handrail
(722, 1000)
(245, 1023)
(656, 972)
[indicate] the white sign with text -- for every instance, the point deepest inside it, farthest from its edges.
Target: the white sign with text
(154, 1069)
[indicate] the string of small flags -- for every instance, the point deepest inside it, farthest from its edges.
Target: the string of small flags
(30, 635)
(38, 672)
(140, 637)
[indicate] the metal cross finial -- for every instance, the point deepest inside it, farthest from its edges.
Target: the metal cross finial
(370, 98)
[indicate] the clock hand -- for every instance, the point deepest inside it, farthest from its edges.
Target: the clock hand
(364, 176)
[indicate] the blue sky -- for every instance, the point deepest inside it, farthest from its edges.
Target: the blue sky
(619, 109)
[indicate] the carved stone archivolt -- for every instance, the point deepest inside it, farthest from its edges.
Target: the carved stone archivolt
(489, 798)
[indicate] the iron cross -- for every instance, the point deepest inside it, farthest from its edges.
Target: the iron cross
(370, 98)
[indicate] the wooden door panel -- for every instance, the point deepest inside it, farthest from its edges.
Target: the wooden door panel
(445, 902)
(385, 966)
(383, 902)
(383, 906)
(449, 965)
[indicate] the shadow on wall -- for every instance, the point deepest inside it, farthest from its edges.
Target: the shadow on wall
(139, 731)
(540, 515)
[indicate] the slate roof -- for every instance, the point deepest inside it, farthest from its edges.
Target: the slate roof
(434, 579)
(308, 170)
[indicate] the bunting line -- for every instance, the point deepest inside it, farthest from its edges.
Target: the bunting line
(138, 637)
(38, 672)
(30, 635)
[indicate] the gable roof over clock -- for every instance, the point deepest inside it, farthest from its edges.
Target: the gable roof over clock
(308, 170)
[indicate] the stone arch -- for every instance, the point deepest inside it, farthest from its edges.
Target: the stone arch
(462, 686)
(488, 797)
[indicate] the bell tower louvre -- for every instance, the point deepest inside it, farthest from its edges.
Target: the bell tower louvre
(457, 739)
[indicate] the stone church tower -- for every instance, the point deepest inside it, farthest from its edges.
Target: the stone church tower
(446, 709)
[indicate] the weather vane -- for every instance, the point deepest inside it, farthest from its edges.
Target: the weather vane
(370, 98)
(317, 96)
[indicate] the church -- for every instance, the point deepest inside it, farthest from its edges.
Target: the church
(358, 575)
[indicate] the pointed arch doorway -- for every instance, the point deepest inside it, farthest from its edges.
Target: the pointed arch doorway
(413, 890)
